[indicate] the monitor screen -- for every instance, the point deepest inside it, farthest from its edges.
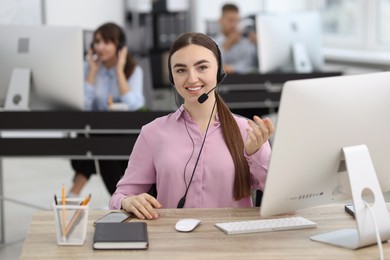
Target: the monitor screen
(289, 42)
(53, 58)
(316, 119)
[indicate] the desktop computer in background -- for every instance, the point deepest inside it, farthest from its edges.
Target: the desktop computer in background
(331, 144)
(41, 67)
(289, 42)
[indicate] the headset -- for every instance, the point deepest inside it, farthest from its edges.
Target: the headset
(220, 73)
(122, 39)
(220, 77)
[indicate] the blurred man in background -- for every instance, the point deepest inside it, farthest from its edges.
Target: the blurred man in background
(238, 46)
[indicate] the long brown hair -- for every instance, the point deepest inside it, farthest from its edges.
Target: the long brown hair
(230, 130)
(111, 32)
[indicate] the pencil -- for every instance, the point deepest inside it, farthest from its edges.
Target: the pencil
(77, 215)
(63, 212)
(86, 200)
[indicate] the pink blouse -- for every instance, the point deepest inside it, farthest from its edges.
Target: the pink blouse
(160, 156)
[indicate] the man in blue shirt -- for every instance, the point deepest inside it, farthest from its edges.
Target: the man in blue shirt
(239, 53)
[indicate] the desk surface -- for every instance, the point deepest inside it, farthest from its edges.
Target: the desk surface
(205, 242)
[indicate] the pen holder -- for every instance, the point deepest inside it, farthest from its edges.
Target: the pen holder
(71, 222)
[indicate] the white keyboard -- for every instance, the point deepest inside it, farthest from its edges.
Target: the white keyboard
(265, 225)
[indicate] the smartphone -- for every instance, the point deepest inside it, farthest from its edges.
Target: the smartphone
(350, 209)
(113, 217)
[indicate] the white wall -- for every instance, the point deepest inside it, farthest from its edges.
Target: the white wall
(203, 10)
(27, 12)
(89, 14)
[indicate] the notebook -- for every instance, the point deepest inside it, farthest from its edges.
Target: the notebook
(124, 235)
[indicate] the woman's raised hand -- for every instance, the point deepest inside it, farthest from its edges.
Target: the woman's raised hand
(259, 132)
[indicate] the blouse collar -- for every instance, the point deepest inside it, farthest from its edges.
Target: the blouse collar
(182, 112)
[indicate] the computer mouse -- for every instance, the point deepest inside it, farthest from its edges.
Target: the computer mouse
(187, 224)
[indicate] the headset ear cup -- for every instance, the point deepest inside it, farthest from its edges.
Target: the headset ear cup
(221, 73)
(222, 77)
(121, 45)
(122, 38)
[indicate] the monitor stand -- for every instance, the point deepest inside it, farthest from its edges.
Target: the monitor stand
(362, 177)
(301, 58)
(18, 93)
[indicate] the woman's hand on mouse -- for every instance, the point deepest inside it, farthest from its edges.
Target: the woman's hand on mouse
(143, 206)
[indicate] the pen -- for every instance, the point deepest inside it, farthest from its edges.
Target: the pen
(55, 200)
(63, 212)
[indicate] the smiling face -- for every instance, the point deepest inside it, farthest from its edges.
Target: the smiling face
(194, 70)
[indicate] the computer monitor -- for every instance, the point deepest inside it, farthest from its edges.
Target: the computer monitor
(322, 124)
(289, 42)
(44, 61)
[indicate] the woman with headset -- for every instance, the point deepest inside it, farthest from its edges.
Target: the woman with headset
(201, 155)
(111, 76)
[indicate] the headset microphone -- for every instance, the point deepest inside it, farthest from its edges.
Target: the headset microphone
(202, 98)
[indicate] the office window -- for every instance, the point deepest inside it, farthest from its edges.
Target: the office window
(348, 26)
(340, 17)
(359, 24)
(343, 22)
(383, 27)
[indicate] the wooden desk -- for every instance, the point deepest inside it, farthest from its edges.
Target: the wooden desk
(206, 242)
